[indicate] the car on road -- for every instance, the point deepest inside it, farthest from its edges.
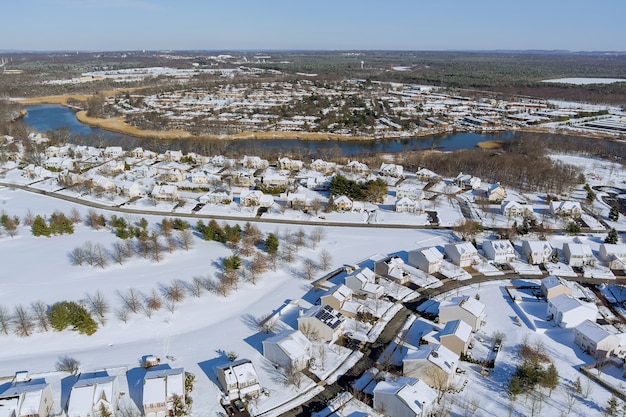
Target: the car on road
(239, 404)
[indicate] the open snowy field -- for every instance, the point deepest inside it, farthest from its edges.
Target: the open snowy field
(197, 333)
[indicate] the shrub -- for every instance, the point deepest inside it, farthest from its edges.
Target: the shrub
(70, 313)
(67, 364)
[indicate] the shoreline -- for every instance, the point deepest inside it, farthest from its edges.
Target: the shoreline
(118, 125)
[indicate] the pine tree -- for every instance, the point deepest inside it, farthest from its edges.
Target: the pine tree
(612, 237)
(550, 379)
(271, 244)
(614, 213)
(40, 227)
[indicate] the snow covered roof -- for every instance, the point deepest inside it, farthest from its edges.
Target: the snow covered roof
(579, 249)
(537, 245)
(432, 254)
(499, 245)
(160, 383)
(413, 392)
(461, 248)
(592, 331)
(327, 315)
(292, 342)
(566, 303)
(458, 328)
(437, 354)
(551, 281)
(87, 391)
(470, 304)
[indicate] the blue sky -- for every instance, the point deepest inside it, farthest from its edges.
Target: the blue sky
(96, 25)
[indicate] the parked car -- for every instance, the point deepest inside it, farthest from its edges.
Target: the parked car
(239, 404)
(230, 410)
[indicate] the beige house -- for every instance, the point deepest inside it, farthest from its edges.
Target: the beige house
(554, 286)
(428, 260)
(496, 192)
(468, 309)
(434, 364)
(515, 209)
(594, 340)
(342, 203)
(456, 336)
(537, 251)
(321, 322)
(461, 254)
(565, 209)
(392, 268)
(614, 255)
(159, 387)
(340, 298)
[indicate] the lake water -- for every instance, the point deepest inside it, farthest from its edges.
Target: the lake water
(49, 117)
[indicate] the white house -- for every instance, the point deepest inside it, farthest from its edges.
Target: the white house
(461, 254)
(393, 269)
(500, 251)
(91, 393)
(406, 205)
(565, 209)
(251, 198)
(578, 254)
(173, 156)
(288, 349)
(289, 164)
(238, 379)
(515, 209)
(496, 192)
(428, 260)
(113, 151)
(411, 191)
(468, 309)
(594, 340)
(130, 189)
(404, 397)
(363, 282)
(342, 203)
(358, 167)
(214, 197)
(159, 387)
(254, 162)
(165, 192)
(456, 336)
(425, 174)
(613, 254)
(320, 165)
(467, 181)
(554, 286)
(25, 397)
(390, 170)
(322, 321)
(434, 364)
(537, 251)
(569, 312)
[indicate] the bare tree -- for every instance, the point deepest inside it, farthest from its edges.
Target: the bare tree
(118, 254)
(317, 235)
(321, 354)
(325, 260)
(40, 314)
(153, 301)
(89, 253)
(287, 252)
(299, 239)
(122, 314)
(309, 331)
(77, 256)
(75, 216)
(155, 247)
(5, 320)
(308, 269)
(196, 286)
(266, 323)
(173, 293)
(29, 218)
(98, 306)
(22, 322)
(186, 239)
(292, 376)
(131, 300)
(258, 265)
(100, 254)
(67, 364)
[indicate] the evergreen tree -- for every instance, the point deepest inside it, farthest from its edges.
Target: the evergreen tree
(611, 407)
(614, 213)
(231, 263)
(271, 244)
(612, 237)
(70, 313)
(514, 387)
(40, 227)
(550, 379)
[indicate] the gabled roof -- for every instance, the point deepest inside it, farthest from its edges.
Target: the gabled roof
(411, 391)
(552, 281)
(432, 254)
(327, 315)
(537, 245)
(593, 331)
(437, 354)
(565, 303)
(292, 342)
(458, 328)
(578, 249)
(469, 304)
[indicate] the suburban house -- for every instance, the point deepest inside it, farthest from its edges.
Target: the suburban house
(390, 170)
(173, 175)
(357, 167)
(288, 349)
(565, 209)
(323, 322)
(434, 364)
(456, 336)
(254, 198)
(160, 385)
(428, 260)
(137, 153)
(342, 203)
(114, 166)
(363, 282)
(614, 255)
(165, 192)
(289, 164)
(214, 197)
(275, 180)
(340, 298)
(461, 254)
(26, 397)
(425, 174)
(578, 254)
(569, 312)
(515, 209)
(468, 309)
(113, 151)
(323, 166)
(537, 251)
(254, 162)
(103, 183)
(496, 192)
(238, 379)
(410, 191)
(199, 177)
(392, 268)
(243, 179)
(130, 189)
(406, 205)
(554, 286)
(59, 163)
(500, 251)
(93, 393)
(296, 200)
(404, 397)
(466, 181)
(173, 156)
(594, 340)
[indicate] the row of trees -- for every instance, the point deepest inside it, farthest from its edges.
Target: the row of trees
(373, 191)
